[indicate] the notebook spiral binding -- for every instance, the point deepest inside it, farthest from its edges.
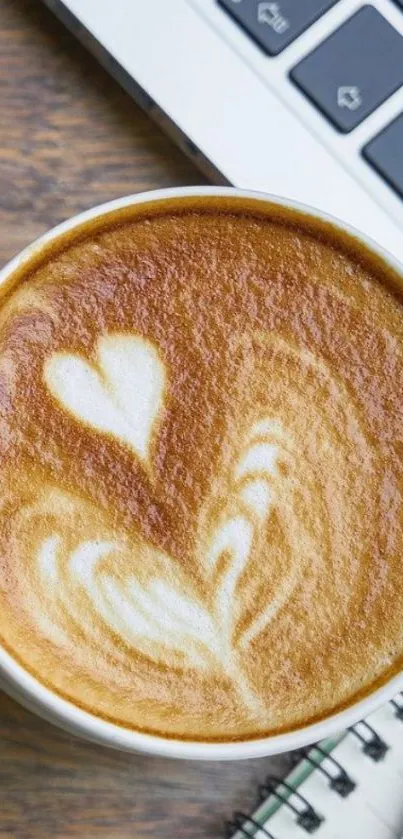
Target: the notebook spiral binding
(373, 746)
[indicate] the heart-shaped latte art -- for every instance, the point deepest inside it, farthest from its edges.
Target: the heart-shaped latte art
(257, 533)
(133, 590)
(120, 394)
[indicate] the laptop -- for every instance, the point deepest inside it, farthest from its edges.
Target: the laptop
(298, 98)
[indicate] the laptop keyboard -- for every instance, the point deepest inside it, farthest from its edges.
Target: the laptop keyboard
(350, 74)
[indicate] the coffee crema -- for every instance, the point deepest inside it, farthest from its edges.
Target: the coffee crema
(201, 469)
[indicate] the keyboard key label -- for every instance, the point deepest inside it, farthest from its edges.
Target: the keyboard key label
(349, 96)
(269, 14)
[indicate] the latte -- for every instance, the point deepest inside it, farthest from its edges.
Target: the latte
(201, 469)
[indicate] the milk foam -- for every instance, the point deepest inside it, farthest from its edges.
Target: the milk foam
(157, 611)
(201, 475)
(121, 393)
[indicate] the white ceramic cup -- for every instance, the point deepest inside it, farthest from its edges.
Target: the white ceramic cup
(29, 692)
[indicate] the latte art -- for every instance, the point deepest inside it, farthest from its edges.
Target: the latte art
(121, 397)
(200, 448)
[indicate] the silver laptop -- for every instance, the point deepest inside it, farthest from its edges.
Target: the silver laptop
(299, 98)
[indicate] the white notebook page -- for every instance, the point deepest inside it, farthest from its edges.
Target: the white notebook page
(374, 810)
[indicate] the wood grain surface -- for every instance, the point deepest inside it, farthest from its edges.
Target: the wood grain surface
(69, 139)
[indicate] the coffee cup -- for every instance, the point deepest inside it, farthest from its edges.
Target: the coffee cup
(264, 438)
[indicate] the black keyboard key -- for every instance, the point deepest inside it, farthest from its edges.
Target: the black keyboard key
(385, 153)
(399, 3)
(275, 24)
(354, 70)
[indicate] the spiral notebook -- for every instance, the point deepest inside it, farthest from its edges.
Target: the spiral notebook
(346, 787)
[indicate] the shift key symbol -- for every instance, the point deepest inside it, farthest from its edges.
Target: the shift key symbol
(349, 96)
(270, 14)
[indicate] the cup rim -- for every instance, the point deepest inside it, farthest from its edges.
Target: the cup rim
(40, 699)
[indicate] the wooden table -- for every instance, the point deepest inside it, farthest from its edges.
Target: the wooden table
(69, 139)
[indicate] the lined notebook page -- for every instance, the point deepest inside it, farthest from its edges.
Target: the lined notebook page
(374, 810)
